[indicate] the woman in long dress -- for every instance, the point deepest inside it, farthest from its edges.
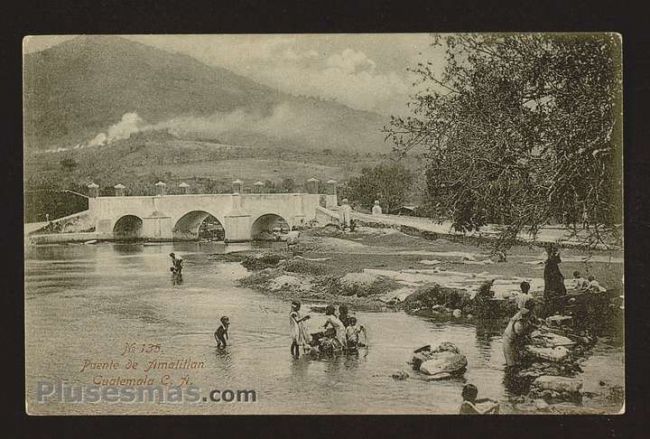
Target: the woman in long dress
(554, 289)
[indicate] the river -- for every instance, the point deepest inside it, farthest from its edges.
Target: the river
(86, 302)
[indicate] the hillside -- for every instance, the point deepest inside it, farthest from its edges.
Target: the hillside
(85, 86)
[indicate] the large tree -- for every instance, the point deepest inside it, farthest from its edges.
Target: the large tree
(387, 183)
(521, 130)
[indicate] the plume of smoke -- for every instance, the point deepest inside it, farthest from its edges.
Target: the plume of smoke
(302, 124)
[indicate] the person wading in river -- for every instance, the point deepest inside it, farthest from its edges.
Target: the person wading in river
(177, 264)
(516, 334)
(335, 323)
(221, 334)
(299, 337)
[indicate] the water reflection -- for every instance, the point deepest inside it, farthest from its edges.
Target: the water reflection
(300, 368)
(177, 278)
(224, 362)
(128, 249)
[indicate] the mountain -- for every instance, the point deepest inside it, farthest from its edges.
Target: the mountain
(84, 86)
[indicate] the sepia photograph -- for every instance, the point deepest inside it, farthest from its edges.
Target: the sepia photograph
(326, 224)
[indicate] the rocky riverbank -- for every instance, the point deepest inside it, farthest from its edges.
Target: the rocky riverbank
(386, 270)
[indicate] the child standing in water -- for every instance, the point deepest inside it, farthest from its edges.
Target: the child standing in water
(298, 334)
(352, 333)
(221, 334)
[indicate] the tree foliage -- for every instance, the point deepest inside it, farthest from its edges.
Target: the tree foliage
(387, 182)
(520, 130)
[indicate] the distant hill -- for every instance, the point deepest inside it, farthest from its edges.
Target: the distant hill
(82, 87)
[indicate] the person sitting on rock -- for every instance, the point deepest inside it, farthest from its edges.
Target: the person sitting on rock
(594, 285)
(579, 282)
(468, 406)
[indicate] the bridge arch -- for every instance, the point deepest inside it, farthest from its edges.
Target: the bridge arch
(128, 227)
(265, 225)
(198, 224)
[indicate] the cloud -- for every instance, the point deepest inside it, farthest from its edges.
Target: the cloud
(312, 65)
(350, 77)
(350, 61)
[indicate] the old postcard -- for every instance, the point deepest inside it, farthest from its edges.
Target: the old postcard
(323, 224)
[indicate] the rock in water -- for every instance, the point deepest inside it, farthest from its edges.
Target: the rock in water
(444, 363)
(557, 353)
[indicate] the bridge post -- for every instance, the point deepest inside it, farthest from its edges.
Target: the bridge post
(258, 187)
(161, 188)
(93, 190)
(312, 186)
(119, 190)
(157, 227)
(237, 227)
(185, 188)
(237, 186)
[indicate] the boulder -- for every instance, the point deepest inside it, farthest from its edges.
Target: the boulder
(558, 353)
(551, 340)
(444, 363)
(557, 384)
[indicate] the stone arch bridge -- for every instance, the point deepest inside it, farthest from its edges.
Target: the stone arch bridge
(179, 217)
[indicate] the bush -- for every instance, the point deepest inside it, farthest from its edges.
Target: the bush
(338, 286)
(429, 296)
(260, 262)
(303, 266)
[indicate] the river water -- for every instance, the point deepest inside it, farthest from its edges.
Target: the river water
(84, 303)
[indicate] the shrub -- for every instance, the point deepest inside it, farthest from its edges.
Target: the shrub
(260, 262)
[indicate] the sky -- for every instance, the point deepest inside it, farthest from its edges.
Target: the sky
(362, 71)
